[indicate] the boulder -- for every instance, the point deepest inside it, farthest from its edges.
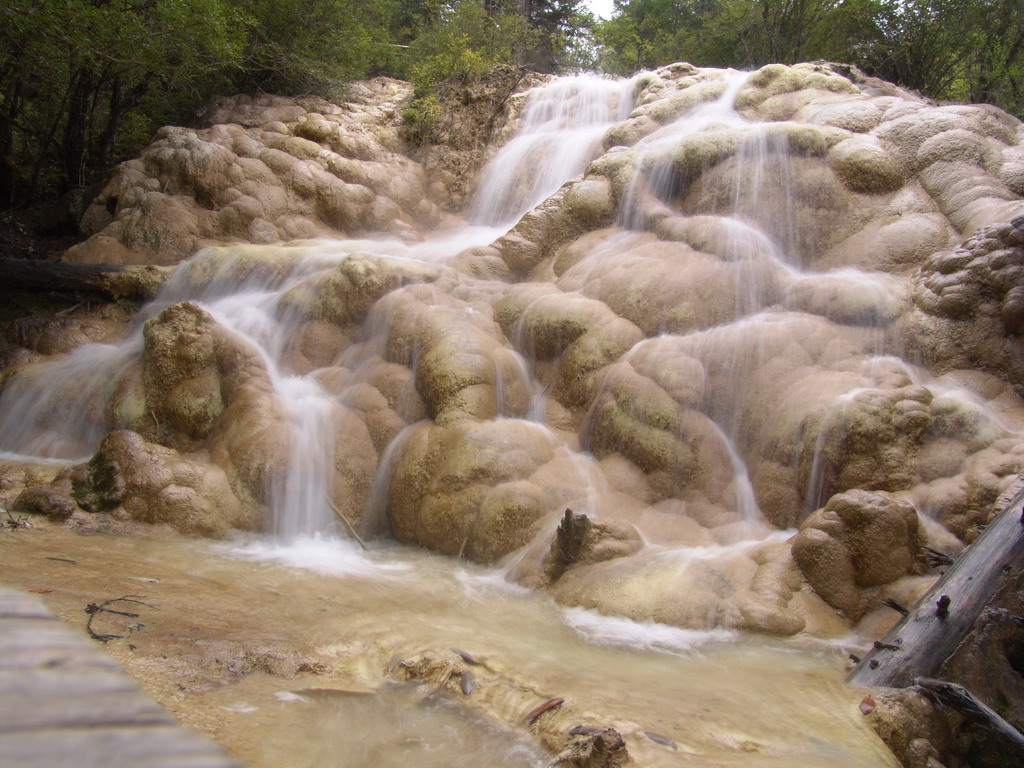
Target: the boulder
(465, 489)
(858, 542)
(155, 484)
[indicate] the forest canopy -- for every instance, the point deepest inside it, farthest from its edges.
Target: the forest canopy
(85, 83)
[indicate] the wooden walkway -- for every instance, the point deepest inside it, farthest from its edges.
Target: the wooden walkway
(64, 703)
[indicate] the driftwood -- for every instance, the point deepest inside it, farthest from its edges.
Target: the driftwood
(93, 609)
(991, 741)
(541, 709)
(930, 633)
(567, 544)
(351, 529)
(112, 280)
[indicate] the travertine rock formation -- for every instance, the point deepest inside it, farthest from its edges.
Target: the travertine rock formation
(788, 300)
(267, 169)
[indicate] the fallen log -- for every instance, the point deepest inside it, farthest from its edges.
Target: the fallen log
(113, 280)
(931, 632)
(991, 742)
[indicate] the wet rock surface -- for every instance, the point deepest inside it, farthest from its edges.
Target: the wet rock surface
(857, 541)
(266, 169)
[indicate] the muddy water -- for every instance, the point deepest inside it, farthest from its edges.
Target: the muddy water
(297, 656)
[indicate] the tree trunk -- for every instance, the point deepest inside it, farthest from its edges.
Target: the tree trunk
(121, 103)
(11, 183)
(114, 281)
(930, 634)
(73, 150)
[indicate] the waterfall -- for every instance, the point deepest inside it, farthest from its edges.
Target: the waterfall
(562, 128)
(58, 409)
(656, 177)
(678, 350)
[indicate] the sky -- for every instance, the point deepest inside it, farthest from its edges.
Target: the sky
(602, 8)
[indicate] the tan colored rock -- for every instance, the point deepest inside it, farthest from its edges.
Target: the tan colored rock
(51, 500)
(850, 298)
(51, 336)
(966, 499)
(639, 279)
(777, 92)
(155, 484)
(311, 167)
(967, 305)
(896, 244)
(865, 167)
(721, 328)
(676, 589)
(344, 295)
(461, 488)
(508, 519)
(200, 386)
(909, 724)
(679, 449)
(17, 476)
(584, 334)
(857, 542)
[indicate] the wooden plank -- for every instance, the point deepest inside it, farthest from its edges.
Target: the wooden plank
(72, 698)
(53, 657)
(35, 633)
(919, 644)
(65, 704)
(14, 604)
(112, 747)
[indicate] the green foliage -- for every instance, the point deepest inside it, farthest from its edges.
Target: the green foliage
(970, 50)
(72, 71)
(736, 33)
(466, 39)
(948, 49)
(421, 117)
(561, 36)
(313, 46)
(646, 33)
(461, 40)
(86, 82)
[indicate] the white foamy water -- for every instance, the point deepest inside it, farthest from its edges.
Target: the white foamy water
(620, 632)
(481, 583)
(58, 409)
(325, 555)
(563, 124)
(655, 178)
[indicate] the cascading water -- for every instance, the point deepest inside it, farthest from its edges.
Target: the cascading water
(562, 130)
(59, 410)
(657, 179)
(674, 351)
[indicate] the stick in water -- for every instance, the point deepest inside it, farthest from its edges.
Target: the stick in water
(341, 516)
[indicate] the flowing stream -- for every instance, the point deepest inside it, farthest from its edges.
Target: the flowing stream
(227, 627)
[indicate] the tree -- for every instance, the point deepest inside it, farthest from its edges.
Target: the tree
(467, 38)
(72, 72)
(557, 24)
(948, 49)
(647, 33)
(298, 47)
